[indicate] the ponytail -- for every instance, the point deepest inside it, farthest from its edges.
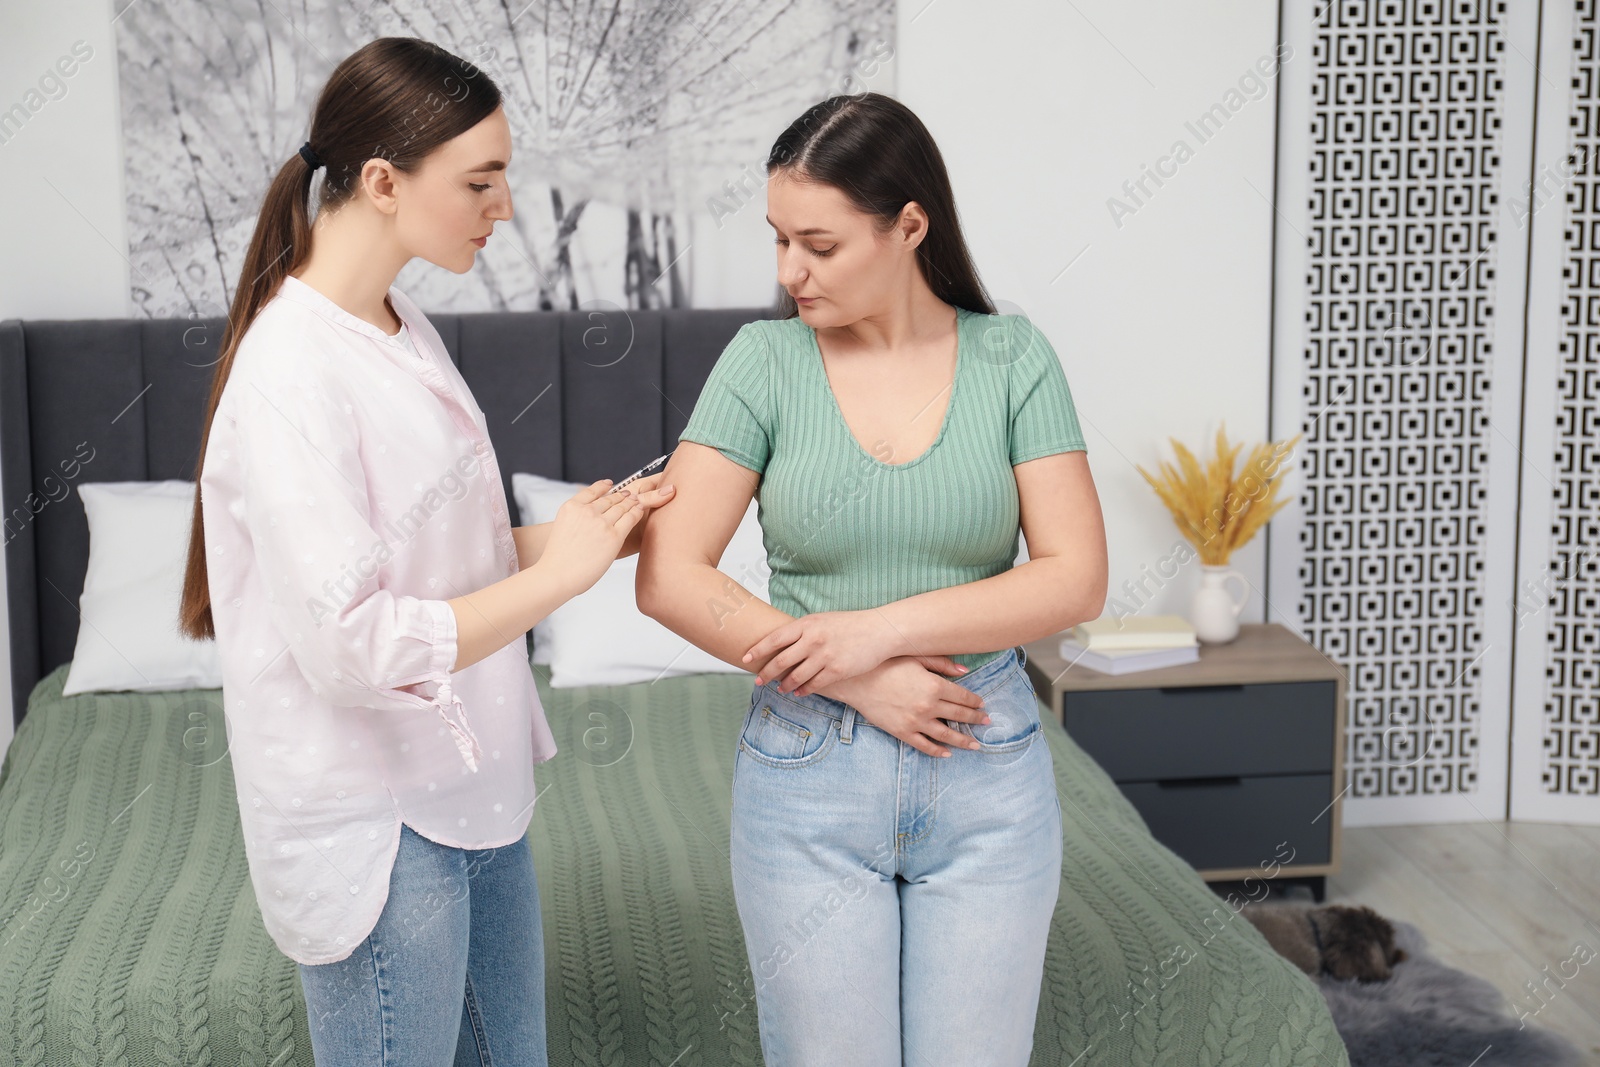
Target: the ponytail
(377, 90)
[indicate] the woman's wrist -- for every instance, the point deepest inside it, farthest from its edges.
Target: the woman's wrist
(840, 690)
(547, 585)
(488, 619)
(848, 690)
(890, 637)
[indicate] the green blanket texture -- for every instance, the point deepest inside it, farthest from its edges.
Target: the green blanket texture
(129, 932)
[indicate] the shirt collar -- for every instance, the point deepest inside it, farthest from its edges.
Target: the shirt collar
(300, 293)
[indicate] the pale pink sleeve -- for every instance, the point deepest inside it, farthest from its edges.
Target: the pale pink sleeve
(306, 506)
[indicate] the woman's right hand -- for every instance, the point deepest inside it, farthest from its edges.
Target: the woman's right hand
(904, 697)
(588, 532)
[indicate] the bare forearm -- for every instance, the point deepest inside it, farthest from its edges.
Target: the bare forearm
(1027, 602)
(492, 617)
(712, 611)
(531, 540)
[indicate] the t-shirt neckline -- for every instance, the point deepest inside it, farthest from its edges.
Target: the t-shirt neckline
(950, 405)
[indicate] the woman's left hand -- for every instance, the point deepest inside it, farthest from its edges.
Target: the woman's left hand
(823, 648)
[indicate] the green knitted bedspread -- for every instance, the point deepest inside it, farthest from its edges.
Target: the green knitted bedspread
(129, 932)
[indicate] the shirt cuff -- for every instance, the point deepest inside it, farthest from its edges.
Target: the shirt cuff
(445, 649)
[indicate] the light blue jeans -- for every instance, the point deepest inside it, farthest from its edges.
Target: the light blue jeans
(895, 905)
(453, 973)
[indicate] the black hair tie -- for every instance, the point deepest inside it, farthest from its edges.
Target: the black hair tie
(312, 159)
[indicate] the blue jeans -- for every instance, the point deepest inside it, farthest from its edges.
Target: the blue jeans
(453, 973)
(895, 905)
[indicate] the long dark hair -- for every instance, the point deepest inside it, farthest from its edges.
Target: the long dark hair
(877, 152)
(394, 98)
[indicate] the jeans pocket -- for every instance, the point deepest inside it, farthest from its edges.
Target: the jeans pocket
(787, 734)
(1014, 723)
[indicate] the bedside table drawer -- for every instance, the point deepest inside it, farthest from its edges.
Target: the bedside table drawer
(1205, 731)
(1239, 822)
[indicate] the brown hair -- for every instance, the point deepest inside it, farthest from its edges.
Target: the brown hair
(877, 152)
(394, 98)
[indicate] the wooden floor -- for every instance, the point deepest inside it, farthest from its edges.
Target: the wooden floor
(1509, 902)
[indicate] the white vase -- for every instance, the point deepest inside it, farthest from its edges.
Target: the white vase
(1214, 612)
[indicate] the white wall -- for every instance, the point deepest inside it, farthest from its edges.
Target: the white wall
(64, 253)
(1042, 111)
(63, 239)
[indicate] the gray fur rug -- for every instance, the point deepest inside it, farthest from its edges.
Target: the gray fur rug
(1431, 1015)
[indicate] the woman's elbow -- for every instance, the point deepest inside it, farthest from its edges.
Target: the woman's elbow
(1091, 597)
(1080, 594)
(647, 585)
(1090, 609)
(660, 583)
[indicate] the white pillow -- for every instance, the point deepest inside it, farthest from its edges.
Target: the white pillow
(600, 637)
(128, 630)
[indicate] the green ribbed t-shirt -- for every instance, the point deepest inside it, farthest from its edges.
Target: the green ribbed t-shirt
(844, 530)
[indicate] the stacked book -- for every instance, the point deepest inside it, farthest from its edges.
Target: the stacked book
(1134, 643)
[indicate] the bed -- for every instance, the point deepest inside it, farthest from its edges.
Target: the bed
(128, 928)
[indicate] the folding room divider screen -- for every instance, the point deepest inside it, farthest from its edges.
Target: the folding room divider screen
(1437, 341)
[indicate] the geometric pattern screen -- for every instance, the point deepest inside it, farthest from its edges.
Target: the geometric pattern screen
(1404, 181)
(1572, 631)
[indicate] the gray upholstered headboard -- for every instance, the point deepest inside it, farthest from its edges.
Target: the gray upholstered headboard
(577, 395)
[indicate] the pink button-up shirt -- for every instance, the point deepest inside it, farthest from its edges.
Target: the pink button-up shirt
(349, 490)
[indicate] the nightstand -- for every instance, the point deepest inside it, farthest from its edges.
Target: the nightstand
(1235, 761)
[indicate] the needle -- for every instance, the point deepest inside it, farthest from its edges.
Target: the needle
(647, 468)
